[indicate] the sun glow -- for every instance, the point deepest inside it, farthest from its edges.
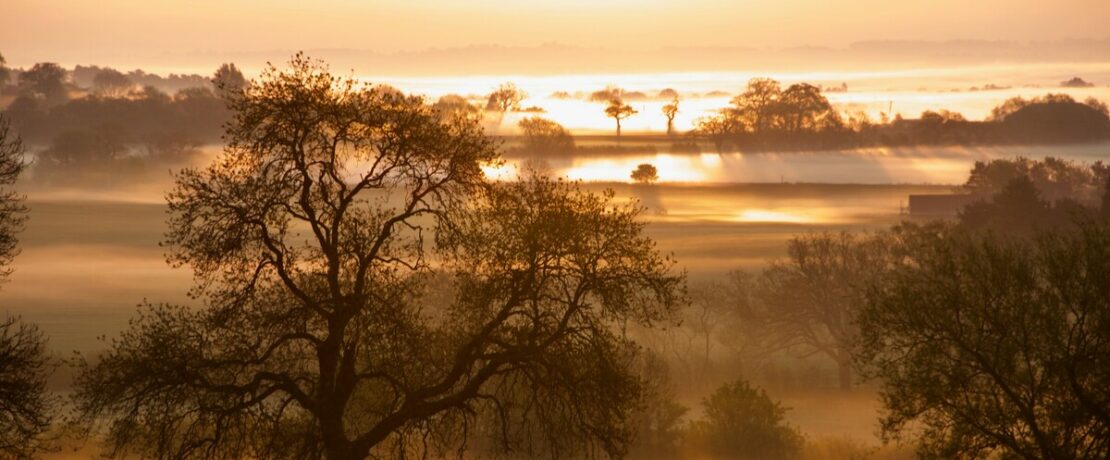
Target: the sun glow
(772, 216)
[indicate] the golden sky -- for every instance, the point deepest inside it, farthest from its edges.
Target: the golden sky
(131, 31)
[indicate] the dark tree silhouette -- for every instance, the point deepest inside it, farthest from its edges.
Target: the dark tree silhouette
(504, 99)
(645, 174)
(112, 83)
(742, 422)
(992, 347)
(808, 303)
(228, 79)
(47, 80)
(313, 240)
(25, 407)
(545, 137)
(670, 111)
(618, 111)
(755, 106)
(5, 72)
(453, 105)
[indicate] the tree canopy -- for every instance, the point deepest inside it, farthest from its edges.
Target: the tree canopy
(367, 292)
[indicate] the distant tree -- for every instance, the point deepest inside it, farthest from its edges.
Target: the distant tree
(755, 107)
(667, 93)
(618, 111)
(228, 79)
(321, 335)
(670, 111)
(992, 347)
(1076, 82)
(645, 173)
(1054, 178)
(112, 83)
(607, 95)
(504, 99)
(545, 137)
(742, 422)
(5, 72)
(453, 105)
(82, 151)
(1017, 209)
(659, 421)
(25, 407)
(47, 80)
(802, 107)
(808, 303)
(718, 129)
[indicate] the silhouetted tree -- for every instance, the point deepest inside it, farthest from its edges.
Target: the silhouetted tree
(618, 111)
(25, 408)
(453, 105)
(504, 99)
(742, 422)
(607, 95)
(1054, 178)
(112, 83)
(12, 210)
(321, 336)
(808, 303)
(47, 80)
(755, 107)
(667, 93)
(229, 80)
(645, 173)
(718, 129)
(545, 137)
(993, 347)
(802, 107)
(670, 111)
(5, 72)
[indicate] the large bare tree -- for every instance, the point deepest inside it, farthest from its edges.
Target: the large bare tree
(317, 240)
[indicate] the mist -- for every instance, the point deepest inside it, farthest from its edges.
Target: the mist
(806, 230)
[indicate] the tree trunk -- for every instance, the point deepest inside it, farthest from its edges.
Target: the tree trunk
(844, 367)
(618, 127)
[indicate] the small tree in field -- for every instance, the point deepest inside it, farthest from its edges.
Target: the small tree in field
(504, 99)
(645, 174)
(367, 293)
(670, 111)
(618, 111)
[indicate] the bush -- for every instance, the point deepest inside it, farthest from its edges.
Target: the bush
(742, 422)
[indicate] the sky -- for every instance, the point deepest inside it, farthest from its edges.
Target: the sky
(131, 32)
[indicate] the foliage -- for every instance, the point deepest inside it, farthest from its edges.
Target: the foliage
(988, 345)
(112, 83)
(808, 303)
(742, 422)
(25, 408)
(1054, 178)
(645, 173)
(45, 80)
(618, 111)
(544, 137)
(453, 105)
(505, 98)
(313, 240)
